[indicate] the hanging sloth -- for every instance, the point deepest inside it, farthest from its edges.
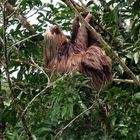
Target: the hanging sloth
(82, 53)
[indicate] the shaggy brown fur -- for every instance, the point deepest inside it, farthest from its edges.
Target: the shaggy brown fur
(80, 54)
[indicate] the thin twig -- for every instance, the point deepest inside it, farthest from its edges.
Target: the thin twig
(23, 40)
(33, 13)
(124, 81)
(41, 92)
(66, 126)
(23, 62)
(1, 40)
(40, 68)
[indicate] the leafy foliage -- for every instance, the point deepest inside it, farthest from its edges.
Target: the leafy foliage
(116, 109)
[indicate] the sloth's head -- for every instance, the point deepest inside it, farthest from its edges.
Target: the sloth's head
(54, 37)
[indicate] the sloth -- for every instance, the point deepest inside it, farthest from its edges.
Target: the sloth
(82, 53)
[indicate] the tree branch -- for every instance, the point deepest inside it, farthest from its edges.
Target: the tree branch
(25, 39)
(41, 92)
(116, 42)
(25, 23)
(124, 81)
(70, 123)
(6, 66)
(103, 43)
(2, 122)
(14, 9)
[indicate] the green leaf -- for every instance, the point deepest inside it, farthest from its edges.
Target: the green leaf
(136, 96)
(129, 55)
(136, 57)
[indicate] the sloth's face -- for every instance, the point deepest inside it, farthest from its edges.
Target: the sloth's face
(55, 30)
(55, 37)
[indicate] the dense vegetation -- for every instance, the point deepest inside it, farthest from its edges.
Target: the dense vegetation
(68, 108)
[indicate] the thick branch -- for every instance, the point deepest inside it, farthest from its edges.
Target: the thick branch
(6, 66)
(116, 42)
(103, 43)
(24, 123)
(23, 19)
(2, 122)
